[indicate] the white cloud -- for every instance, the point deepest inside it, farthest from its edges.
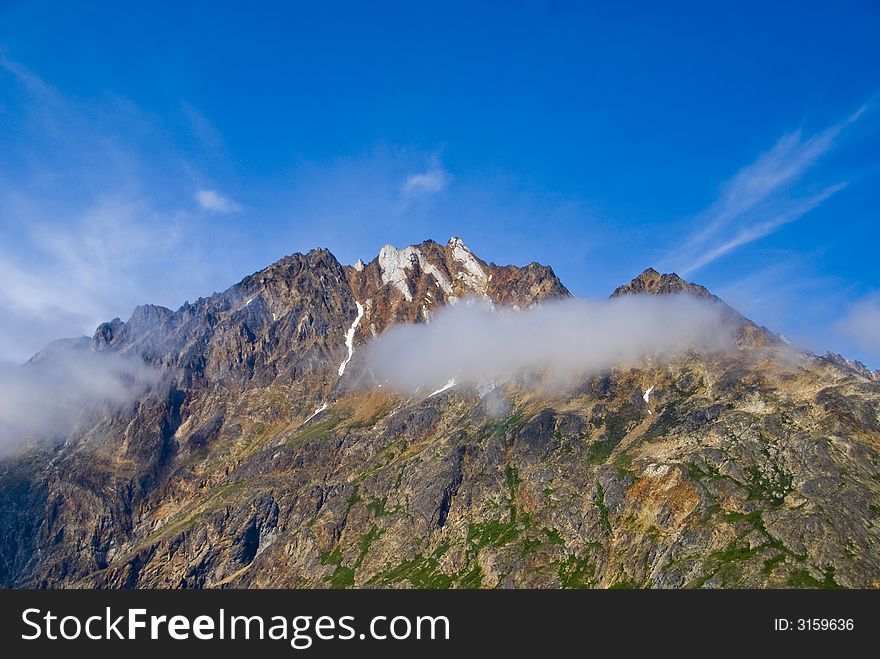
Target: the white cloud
(779, 216)
(63, 279)
(93, 217)
(211, 200)
(473, 344)
(49, 398)
(426, 183)
(754, 203)
(862, 325)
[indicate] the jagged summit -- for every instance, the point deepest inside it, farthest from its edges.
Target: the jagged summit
(300, 318)
(306, 302)
(409, 284)
(453, 268)
(653, 283)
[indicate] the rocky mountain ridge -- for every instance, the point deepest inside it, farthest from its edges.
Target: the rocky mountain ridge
(268, 456)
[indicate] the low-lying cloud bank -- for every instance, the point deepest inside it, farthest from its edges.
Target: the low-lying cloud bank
(47, 399)
(474, 344)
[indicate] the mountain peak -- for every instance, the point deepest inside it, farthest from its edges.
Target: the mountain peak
(651, 282)
(455, 241)
(409, 284)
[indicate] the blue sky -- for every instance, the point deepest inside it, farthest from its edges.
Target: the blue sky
(161, 152)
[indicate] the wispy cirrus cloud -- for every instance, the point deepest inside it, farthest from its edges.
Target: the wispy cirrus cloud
(777, 215)
(62, 278)
(213, 201)
(757, 201)
(95, 216)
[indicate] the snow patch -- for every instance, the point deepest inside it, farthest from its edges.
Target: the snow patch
(394, 263)
(473, 273)
(439, 278)
(349, 338)
(359, 265)
(446, 386)
(316, 413)
(647, 394)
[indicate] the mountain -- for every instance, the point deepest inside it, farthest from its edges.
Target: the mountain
(653, 283)
(269, 456)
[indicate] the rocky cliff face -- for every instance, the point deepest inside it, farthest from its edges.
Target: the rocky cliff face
(269, 457)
